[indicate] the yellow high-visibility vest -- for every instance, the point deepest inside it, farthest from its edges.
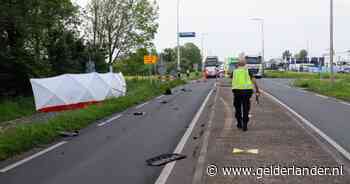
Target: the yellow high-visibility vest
(241, 79)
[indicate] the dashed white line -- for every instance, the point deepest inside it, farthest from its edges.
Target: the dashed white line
(345, 103)
(322, 96)
(159, 97)
(141, 105)
(12, 166)
(110, 120)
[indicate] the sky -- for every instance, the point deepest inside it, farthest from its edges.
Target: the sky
(227, 29)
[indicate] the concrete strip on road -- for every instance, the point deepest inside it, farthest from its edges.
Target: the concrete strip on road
(339, 148)
(14, 165)
(162, 179)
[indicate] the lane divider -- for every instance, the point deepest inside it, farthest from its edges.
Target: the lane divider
(163, 177)
(14, 165)
(110, 120)
(339, 148)
(322, 96)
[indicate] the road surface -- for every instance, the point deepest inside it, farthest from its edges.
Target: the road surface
(115, 151)
(327, 114)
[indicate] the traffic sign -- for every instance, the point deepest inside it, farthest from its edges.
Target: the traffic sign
(187, 34)
(150, 59)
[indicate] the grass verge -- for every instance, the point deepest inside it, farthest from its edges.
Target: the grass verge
(16, 107)
(25, 137)
(340, 89)
(303, 75)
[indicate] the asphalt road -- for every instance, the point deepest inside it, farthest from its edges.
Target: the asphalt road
(327, 114)
(116, 152)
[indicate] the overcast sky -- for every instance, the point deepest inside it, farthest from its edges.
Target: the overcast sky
(289, 24)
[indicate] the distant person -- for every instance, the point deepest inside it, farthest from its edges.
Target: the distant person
(243, 84)
(188, 73)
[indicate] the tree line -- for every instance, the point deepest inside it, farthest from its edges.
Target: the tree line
(43, 38)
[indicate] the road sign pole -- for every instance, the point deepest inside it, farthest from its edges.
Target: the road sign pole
(331, 49)
(178, 37)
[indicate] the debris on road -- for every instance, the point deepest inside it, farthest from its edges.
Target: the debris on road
(139, 113)
(168, 92)
(69, 134)
(164, 159)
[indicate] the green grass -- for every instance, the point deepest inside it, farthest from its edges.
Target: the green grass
(25, 137)
(15, 108)
(340, 89)
(302, 75)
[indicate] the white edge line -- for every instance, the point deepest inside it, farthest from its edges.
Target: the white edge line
(344, 103)
(322, 96)
(159, 97)
(169, 167)
(339, 148)
(110, 120)
(141, 105)
(14, 165)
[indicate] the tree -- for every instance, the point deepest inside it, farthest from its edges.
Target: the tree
(190, 55)
(120, 26)
(133, 64)
(286, 55)
(302, 54)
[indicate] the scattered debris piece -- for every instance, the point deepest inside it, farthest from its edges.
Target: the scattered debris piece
(69, 134)
(139, 113)
(168, 92)
(195, 137)
(164, 159)
(164, 102)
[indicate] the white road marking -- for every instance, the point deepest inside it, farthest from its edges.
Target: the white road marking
(163, 177)
(141, 105)
(159, 97)
(110, 120)
(345, 103)
(322, 96)
(339, 148)
(12, 166)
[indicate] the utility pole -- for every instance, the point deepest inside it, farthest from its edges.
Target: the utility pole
(178, 38)
(331, 49)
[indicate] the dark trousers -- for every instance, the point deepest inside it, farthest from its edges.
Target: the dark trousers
(241, 103)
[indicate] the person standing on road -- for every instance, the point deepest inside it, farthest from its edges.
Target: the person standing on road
(243, 84)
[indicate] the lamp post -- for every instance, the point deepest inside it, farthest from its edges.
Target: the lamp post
(261, 20)
(178, 37)
(202, 48)
(331, 49)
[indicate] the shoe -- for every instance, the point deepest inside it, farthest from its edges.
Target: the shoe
(245, 127)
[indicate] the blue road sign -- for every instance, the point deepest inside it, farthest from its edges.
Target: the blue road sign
(187, 34)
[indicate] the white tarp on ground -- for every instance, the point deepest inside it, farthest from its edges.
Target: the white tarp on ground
(77, 88)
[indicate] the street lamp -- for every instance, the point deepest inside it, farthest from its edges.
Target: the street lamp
(202, 48)
(261, 20)
(331, 49)
(178, 37)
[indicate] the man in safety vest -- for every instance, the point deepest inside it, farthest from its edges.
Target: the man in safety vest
(242, 87)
